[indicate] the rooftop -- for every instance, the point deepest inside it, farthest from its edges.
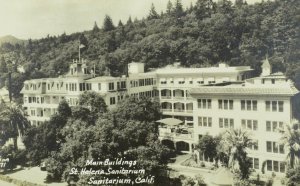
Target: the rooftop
(220, 69)
(243, 90)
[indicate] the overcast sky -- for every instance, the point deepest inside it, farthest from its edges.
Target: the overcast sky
(36, 18)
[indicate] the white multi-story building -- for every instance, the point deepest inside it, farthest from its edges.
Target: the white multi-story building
(260, 105)
(207, 100)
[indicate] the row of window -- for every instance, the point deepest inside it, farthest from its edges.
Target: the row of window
(226, 123)
(205, 121)
(111, 86)
(274, 106)
(34, 99)
(276, 166)
(85, 86)
(274, 147)
(249, 124)
(142, 82)
(164, 82)
(245, 124)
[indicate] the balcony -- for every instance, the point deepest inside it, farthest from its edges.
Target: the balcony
(166, 97)
(176, 133)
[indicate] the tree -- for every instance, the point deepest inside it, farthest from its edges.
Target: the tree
(153, 14)
(95, 28)
(237, 141)
(291, 139)
(64, 109)
(108, 24)
(293, 176)
(94, 102)
(178, 9)
(204, 9)
(207, 145)
(129, 21)
(169, 7)
(13, 123)
(120, 24)
(3, 66)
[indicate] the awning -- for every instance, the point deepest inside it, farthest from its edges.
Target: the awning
(170, 121)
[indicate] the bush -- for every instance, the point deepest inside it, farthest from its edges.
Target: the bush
(188, 182)
(269, 181)
(202, 164)
(200, 180)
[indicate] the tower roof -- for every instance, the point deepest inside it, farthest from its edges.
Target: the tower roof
(266, 63)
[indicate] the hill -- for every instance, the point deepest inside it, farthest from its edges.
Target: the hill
(10, 39)
(203, 35)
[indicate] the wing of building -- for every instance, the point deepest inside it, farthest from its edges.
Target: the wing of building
(206, 100)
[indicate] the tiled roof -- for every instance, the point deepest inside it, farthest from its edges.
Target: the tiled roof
(284, 91)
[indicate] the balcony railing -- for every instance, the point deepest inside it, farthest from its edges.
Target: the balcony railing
(177, 110)
(178, 98)
(163, 132)
(166, 97)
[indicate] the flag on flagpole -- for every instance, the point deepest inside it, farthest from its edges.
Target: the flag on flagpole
(81, 46)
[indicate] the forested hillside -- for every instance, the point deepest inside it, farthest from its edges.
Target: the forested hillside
(202, 35)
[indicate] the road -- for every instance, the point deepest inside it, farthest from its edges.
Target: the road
(3, 183)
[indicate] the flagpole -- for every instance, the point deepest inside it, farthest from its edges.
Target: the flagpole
(79, 52)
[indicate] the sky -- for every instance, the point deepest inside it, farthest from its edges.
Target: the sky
(35, 19)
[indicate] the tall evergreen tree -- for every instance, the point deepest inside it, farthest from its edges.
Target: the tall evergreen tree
(169, 7)
(95, 28)
(129, 21)
(153, 14)
(120, 23)
(204, 8)
(108, 24)
(178, 9)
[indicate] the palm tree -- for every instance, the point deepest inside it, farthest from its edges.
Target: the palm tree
(291, 139)
(237, 141)
(12, 123)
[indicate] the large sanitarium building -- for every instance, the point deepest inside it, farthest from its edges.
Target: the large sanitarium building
(206, 100)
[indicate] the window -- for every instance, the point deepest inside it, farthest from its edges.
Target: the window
(141, 82)
(200, 82)
(181, 82)
(111, 86)
(163, 82)
(99, 86)
(88, 86)
(254, 163)
(248, 105)
(269, 165)
(275, 147)
(254, 145)
(204, 103)
(32, 112)
(226, 123)
(276, 166)
(81, 86)
(274, 106)
(205, 121)
(249, 124)
(225, 104)
(191, 82)
(123, 84)
(112, 101)
(272, 126)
